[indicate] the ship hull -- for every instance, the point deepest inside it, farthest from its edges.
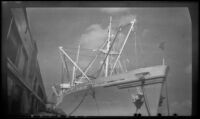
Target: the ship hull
(153, 78)
(127, 79)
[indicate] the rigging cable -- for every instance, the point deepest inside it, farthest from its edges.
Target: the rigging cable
(145, 98)
(136, 60)
(62, 75)
(79, 103)
(131, 99)
(94, 97)
(140, 49)
(167, 97)
(145, 101)
(107, 53)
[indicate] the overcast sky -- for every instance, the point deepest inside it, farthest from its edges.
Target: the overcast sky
(67, 27)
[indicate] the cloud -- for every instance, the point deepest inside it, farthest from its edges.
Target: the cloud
(122, 20)
(95, 36)
(188, 69)
(83, 63)
(126, 19)
(145, 32)
(114, 10)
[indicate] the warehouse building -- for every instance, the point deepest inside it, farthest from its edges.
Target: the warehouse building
(22, 83)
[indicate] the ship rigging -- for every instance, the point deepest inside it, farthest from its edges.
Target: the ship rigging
(111, 72)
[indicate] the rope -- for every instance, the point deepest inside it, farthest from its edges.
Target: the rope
(79, 103)
(168, 111)
(136, 110)
(145, 101)
(140, 49)
(96, 105)
(136, 60)
(98, 72)
(161, 96)
(131, 101)
(62, 75)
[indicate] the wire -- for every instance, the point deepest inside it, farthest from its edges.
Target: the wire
(136, 110)
(168, 111)
(79, 103)
(62, 75)
(145, 101)
(136, 59)
(96, 104)
(65, 65)
(107, 54)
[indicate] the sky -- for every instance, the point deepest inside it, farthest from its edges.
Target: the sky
(53, 27)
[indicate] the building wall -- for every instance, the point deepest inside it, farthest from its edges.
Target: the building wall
(26, 92)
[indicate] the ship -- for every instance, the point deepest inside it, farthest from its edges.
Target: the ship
(148, 81)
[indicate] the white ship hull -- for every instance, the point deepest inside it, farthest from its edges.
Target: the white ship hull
(153, 81)
(128, 78)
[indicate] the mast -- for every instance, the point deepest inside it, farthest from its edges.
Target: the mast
(73, 62)
(108, 47)
(131, 28)
(74, 68)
